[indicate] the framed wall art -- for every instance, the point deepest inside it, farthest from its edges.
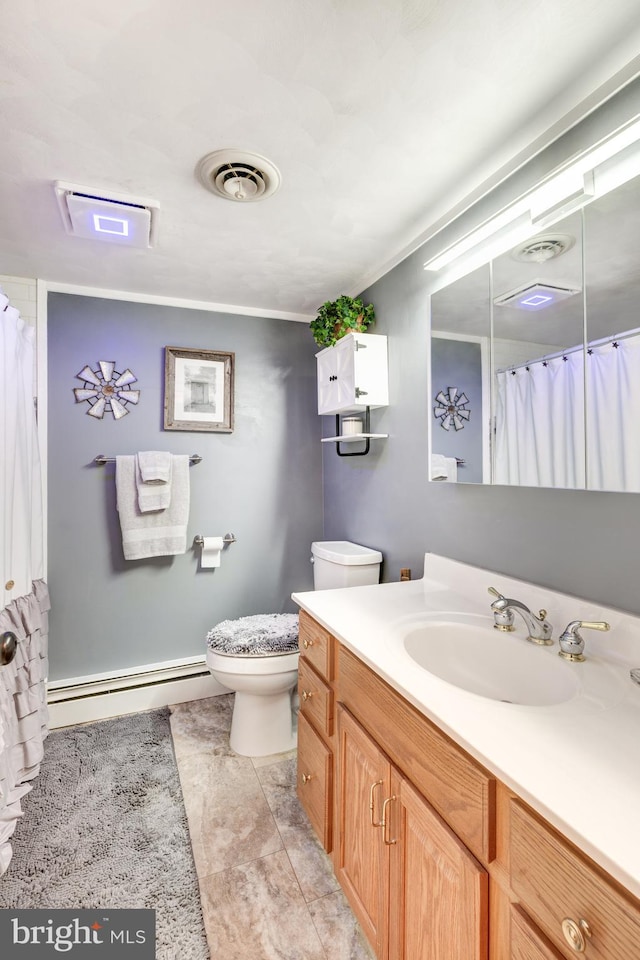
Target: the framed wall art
(198, 390)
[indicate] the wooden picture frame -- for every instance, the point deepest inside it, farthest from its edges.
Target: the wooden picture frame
(198, 390)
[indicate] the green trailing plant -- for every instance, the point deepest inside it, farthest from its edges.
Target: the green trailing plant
(338, 317)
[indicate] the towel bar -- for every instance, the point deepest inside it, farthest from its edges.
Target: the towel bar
(198, 541)
(100, 459)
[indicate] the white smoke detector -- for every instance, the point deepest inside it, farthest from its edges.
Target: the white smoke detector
(238, 175)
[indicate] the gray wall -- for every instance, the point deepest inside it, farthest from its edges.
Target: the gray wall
(586, 543)
(457, 363)
(262, 482)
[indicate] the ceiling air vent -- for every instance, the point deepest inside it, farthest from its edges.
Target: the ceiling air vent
(238, 175)
(543, 248)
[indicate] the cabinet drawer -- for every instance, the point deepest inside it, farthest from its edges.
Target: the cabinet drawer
(315, 778)
(316, 698)
(462, 792)
(556, 883)
(316, 644)
(527, 943)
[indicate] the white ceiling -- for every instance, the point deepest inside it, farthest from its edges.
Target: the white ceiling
(380, 115)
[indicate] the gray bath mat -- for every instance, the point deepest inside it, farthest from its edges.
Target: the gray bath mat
(105, 826)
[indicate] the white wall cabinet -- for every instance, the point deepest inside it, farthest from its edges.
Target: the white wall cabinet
(352, 375)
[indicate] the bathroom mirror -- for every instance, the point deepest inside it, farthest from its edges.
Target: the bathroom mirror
(542, 342)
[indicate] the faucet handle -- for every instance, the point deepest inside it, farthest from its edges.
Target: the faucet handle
(502, 614)
(571, 642)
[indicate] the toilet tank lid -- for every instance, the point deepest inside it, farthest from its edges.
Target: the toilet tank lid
(342, 551)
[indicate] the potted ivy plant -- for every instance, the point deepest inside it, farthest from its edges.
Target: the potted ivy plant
(338, 317)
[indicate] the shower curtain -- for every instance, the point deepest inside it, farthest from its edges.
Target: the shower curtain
(613, 415)
(543, 437)
(540, 423)
(23, 710)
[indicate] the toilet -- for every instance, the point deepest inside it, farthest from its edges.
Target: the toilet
(257, 656)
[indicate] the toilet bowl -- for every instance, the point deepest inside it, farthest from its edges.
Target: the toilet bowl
(262, 719)
(257, 656)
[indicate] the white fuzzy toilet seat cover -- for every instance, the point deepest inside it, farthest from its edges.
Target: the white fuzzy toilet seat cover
(257, 636)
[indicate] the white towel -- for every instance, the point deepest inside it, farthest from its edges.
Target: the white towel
(152, 494)
(159, 534)
(155, 466)
(452, 469)
(438, 467)
(444, 468)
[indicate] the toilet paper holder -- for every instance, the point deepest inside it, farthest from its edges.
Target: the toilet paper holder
(198, 540)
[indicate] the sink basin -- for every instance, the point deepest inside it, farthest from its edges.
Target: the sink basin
(466, 651)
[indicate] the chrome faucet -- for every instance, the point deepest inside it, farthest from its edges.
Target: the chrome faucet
(539, 628)
(572, 644)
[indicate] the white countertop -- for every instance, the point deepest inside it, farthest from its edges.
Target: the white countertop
(577, 763)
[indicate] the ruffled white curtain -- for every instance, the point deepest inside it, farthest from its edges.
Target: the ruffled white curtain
(543, 438)
(23, 711)
(21, 526)
(539, 438)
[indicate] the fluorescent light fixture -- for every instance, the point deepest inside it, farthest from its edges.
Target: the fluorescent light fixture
(471, 240)
(571, 187)
(113, 218)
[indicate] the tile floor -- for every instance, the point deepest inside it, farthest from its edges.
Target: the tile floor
(267, 887)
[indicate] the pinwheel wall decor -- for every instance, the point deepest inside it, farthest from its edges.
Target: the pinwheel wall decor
(451, 409)
(106, 390)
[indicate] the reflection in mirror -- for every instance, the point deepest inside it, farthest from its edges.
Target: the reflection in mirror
(460, 340)
(612, 271)
(560, 400)
(538, 360)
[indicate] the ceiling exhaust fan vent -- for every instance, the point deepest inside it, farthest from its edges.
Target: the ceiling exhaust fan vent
(543, 248)
(238, 175)
(115, 218)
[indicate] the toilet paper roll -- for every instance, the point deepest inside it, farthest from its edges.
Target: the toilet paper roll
(211, 550)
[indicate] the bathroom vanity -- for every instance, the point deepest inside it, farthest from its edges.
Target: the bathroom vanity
(462, 827)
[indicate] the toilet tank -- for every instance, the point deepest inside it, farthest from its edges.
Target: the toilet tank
(339, 563)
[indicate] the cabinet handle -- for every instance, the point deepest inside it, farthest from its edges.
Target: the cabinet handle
(307, 643)
(371, 804)
(306, 777)
(307, 694)
(385, 822)
(576, 933)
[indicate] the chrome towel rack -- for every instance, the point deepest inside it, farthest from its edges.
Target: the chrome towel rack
(198, 540)
(101, 459)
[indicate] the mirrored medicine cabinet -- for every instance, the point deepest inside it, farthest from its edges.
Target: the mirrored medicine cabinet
(535, 356)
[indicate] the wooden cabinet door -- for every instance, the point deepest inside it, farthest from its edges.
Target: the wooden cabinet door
(527, 942)
(362, 859)
(315, 787)
(439, 893)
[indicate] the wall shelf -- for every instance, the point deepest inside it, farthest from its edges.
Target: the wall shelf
(352, 378)
(354, 437)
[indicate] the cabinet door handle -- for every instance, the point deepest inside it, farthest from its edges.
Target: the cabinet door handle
(371, 804)
(307, 694)
(307, 643)
(385, 822)
(306, 777)
(576, 933)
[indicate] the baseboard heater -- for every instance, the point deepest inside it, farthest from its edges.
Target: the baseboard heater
(152, 675)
